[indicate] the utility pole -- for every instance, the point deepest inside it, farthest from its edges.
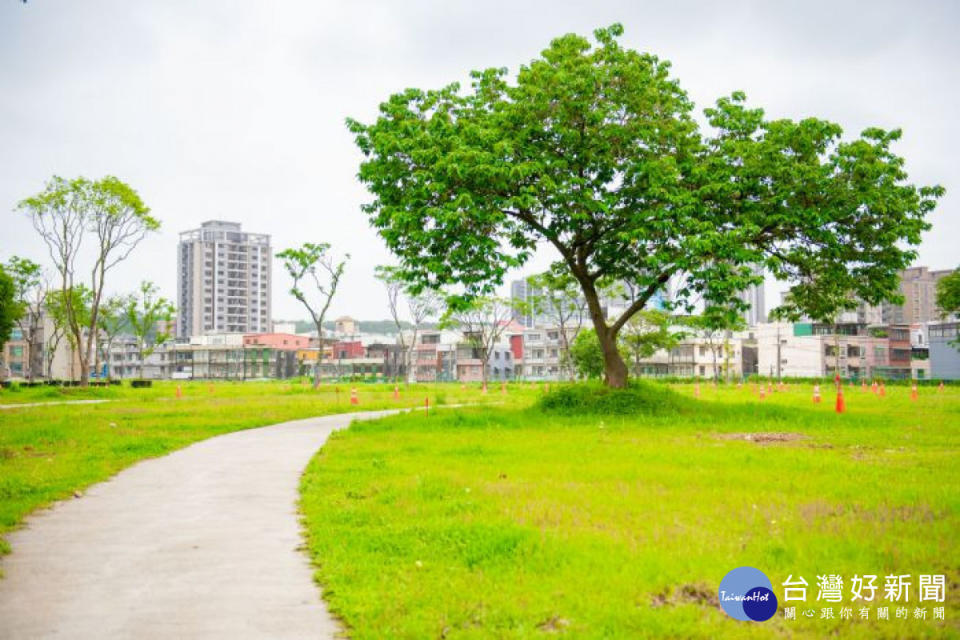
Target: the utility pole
(778, 352)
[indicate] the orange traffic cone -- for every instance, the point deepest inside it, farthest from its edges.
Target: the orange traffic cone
(396, 392)
(875, 387)
(503, 388)
(762, 394)
(913, 392)
(841, 405)
(353, 396)
(883, 390)
(816, 394)
(179, 392)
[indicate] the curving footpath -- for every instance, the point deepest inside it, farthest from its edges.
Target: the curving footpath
(201, 543)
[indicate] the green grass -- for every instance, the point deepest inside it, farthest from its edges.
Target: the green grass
(49, 452)
(559, 520)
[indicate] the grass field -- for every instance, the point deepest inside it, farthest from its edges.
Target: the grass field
(49, 452)
(524, 523)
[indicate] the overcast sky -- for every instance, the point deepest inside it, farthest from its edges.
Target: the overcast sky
(235, 110)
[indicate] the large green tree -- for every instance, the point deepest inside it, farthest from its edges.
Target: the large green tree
(593, 150)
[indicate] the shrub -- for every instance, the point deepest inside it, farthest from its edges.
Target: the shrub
(637, 397)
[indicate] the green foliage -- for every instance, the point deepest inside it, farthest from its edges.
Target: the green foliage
(145, 314)
(648, 332)
(74, 301)
(948, 293)
(593, 149)
(637, 398)
(10, 308)
(586, 354)
(106, 214)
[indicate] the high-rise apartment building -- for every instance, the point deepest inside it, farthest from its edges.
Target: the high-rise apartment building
(521, 291)
(223, 280)
(754, 296)
(918, 286)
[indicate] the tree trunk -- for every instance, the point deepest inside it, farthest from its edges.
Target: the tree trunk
(615, 369)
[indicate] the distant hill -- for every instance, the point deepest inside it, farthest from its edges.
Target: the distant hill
(387, 327)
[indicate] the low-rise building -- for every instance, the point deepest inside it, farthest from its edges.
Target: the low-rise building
(944, 343)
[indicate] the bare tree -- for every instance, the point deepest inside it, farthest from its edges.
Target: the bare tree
(482, 322)
(316, 262)
(420, 306)
(113, 216)
(557, 296)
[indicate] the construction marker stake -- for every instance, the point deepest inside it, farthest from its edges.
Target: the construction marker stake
(426, 405)
(816, 394)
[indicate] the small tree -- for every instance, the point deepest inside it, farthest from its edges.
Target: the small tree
(557, 296)
(149, 317)
(111, 322)
(420, 306)
(948, 293)
(948, 297)
(106, 212)
(645, 334)
(62, 306)
(314, 262)
(10, 308)
(30, 293)
(587, 355)
(482, 322)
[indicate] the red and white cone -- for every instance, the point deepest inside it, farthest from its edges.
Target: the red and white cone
(913, 392)
(353, 396)
(762, 393)
(883, 390)
(816, 394)
(396, 392)
(875, 388)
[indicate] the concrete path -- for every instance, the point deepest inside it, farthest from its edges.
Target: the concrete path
(202, 543)
(47, 404)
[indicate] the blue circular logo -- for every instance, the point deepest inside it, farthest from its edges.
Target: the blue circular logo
(747, 594)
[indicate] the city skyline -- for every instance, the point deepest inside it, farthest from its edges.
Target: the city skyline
(238, 115)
